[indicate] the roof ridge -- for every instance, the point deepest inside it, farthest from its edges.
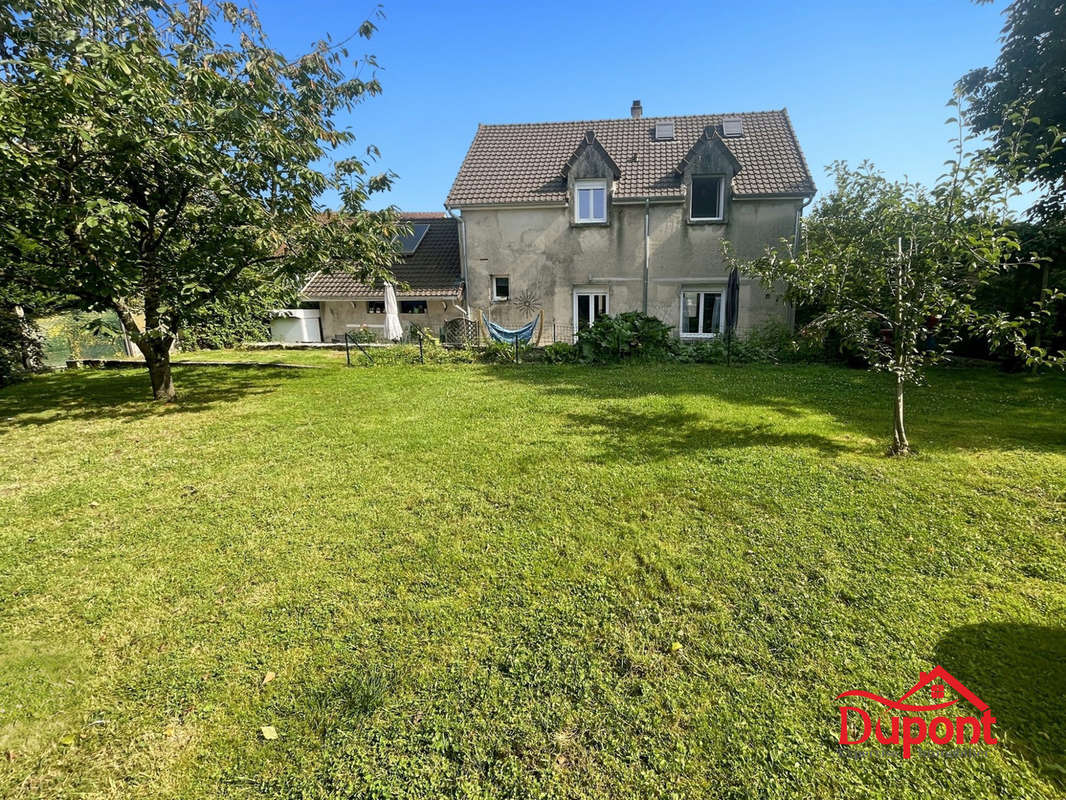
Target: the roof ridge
(630, 119)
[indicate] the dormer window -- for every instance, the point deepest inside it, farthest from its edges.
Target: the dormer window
(590, 201)
(707, 198)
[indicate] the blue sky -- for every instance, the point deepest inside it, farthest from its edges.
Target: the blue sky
(860, 80)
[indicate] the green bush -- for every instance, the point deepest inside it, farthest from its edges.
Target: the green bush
(561, 353)
(629, 336)
(408, 354)
(772, 343)
(362, 336)
(238, 319)
(504, 352)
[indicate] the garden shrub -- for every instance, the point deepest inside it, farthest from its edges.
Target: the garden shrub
(238, 319)
(630, 335)
(561, 353)
(504, 352)
(363, 336)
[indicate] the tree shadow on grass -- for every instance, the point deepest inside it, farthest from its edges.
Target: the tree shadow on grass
(959, 409)
(638, 436)
(126, 394)
(1020, 671)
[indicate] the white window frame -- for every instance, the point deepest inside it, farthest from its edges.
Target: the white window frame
(592, 304)
(721, 199)
(586, 184)
(498, 298)
(699, 313)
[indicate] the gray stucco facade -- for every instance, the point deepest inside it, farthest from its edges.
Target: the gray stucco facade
(548, 258)
(606, 216)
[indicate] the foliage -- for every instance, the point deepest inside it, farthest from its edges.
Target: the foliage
(1029, 75)
(505, 352)
(487, 596)
(895, 267)
(1014, 293)
(561, 353)
(630, 335)
(82, 334)
(363, 336)
(21, 346)
(158, 157)
(240, 316)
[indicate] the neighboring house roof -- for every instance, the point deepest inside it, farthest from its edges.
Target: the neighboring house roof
(432, 270)
(527, 163)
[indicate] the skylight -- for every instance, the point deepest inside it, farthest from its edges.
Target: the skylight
(410, 243)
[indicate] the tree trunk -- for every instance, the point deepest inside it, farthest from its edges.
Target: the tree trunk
(1038, 338)
(900, 445)
(157, 356)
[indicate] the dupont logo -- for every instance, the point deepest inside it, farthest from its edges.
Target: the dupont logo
(911, 730)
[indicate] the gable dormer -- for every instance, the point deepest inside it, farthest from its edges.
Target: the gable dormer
(590, 173)
(707, 173)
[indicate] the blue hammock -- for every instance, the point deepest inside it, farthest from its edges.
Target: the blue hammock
(498, 334)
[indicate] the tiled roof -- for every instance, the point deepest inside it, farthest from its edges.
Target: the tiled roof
(525, 163)
(431, 271)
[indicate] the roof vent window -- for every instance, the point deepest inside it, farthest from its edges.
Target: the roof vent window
(732, 127)
(664, 131)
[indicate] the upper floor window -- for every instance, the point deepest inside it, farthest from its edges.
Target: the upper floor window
(707, 198)
(590, 201)
(412, 306)
(375, 306)
(501, 287)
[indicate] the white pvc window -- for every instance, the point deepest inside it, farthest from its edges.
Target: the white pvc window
(707, 198)
(590, 201)
(701, 314)
(501, 287)
(587, 307)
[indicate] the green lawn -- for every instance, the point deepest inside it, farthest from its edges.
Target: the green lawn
(522, 582)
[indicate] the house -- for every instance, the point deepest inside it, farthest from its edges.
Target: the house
(579, 219)
(429, 265)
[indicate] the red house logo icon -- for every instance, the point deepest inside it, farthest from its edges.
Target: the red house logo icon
(911, 730)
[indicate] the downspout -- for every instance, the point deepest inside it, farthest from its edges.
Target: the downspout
(799, 215)
(796, 242)
(462, 257)
(647, 250)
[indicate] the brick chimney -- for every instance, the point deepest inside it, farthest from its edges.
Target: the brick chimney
(635, 110)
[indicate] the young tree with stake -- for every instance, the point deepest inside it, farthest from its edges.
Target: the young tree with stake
(894, 267)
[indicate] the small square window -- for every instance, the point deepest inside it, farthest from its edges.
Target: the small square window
(590, 201)
(375, 306)
(501, 287)
(708, 198)
(412, 306)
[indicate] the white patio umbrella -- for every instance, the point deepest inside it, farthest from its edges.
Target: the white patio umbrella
(393, 329)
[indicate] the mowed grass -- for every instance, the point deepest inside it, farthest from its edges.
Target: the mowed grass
(522, 581)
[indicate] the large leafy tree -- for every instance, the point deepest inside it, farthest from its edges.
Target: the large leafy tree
(155, 157)
(1025, 91)
(894, 268)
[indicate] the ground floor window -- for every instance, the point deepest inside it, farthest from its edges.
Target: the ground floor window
(587, 307)
(412, 306)
(375, 306)
(701, 314)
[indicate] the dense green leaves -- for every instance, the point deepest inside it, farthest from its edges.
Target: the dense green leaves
(154, 158)
(895, 267)
(1029, 74)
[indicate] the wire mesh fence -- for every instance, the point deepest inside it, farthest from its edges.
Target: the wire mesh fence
(558, 332)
